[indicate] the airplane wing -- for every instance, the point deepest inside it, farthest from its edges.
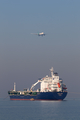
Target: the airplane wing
(35, 33)
(39, 34)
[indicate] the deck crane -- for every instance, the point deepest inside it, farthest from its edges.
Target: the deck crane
(35, 84)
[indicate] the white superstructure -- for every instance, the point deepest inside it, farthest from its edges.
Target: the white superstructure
(51, 84)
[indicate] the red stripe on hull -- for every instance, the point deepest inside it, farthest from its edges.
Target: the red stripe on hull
(19, 99)
(36, 99)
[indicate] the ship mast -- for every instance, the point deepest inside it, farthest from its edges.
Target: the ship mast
(51, 72)
(14, 86)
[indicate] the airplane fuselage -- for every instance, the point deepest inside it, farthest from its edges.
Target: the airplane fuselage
(41, 34)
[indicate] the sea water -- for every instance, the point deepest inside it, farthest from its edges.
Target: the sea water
(40, 110)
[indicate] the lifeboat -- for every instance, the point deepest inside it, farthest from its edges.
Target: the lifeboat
(58, 85)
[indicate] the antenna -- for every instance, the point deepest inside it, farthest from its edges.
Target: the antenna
(14, 86)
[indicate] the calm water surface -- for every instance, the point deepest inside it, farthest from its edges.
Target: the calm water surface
(40, 110)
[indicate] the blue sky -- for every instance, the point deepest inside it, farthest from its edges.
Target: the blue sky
(25, 57)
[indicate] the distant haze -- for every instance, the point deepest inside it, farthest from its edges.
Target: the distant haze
(25, 57)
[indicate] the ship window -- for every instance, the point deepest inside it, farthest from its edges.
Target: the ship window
(56, 74)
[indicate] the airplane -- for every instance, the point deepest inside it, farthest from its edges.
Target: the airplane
(39, 34)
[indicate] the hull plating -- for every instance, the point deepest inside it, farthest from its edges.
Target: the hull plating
(41, 96)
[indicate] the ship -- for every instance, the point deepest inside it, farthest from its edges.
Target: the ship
(51, 88)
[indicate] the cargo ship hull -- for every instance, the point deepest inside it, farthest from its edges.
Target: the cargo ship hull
(41, 96)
